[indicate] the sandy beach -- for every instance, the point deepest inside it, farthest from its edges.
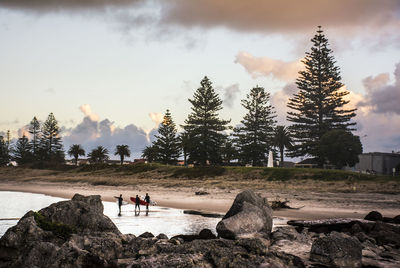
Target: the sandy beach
(310, 204)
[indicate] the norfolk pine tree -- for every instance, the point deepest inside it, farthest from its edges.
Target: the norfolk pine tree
(254, 138)
(22, 151)
(203, 126)
(167, 144)
(4, 152)
(34, 130)
(51, 148)
(318, 106)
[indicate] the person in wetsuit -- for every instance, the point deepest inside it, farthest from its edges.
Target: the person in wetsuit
(120, 199)
(137, 203)
(147, 200)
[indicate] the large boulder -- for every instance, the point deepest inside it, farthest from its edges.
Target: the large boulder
(337, 250)
(83, 212)
(249, 216)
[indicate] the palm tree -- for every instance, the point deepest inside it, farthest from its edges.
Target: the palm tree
(98, 155)
(122, 151)
(282, 140)
(76, 150)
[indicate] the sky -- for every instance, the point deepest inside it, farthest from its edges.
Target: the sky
(108, 70)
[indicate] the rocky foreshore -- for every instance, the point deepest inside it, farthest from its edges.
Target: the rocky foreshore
(75, 233)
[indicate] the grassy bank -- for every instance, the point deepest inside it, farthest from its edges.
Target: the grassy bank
(208, 177)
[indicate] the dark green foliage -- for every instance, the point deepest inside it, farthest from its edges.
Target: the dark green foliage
(51, 148)
(94, 167)
(167, 144)
(58, 229)
(340, 148)
(228, 152)
(282, 140)
(150, 153)
(4, 152)
(254, 137)
(76, 150)
(198, 172)
(22, 151)
(98, 155)
(34, 130)
(318, 106)
(138, 168)
(122, 151)
(203, 126)
(184, 145)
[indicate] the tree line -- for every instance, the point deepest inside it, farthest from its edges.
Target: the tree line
(321, 126)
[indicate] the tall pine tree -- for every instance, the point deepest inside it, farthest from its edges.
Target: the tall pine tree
(167, 144)
(34, 130)
(254, 138)
(318, 106)
(51, 148)
(4, 152)
(22, 151)
(203, 126)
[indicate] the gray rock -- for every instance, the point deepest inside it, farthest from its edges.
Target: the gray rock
(374, 216)
(337, 250)
(249, 216)
(146, 235)
(162, 236)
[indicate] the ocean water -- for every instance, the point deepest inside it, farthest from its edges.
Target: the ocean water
(14, 205)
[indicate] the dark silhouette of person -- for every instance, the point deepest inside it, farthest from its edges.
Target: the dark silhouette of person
(120, 199)
(147, 200)
(137, 203)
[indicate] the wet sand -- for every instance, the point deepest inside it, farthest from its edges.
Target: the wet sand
(311, 204)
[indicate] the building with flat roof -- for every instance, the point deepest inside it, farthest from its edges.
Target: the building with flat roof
(378, 163)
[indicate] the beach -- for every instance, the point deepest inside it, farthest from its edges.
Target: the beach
(307, 205)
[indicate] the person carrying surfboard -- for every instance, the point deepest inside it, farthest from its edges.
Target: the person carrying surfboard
(147, 200)
(120, 199)
(137, 203)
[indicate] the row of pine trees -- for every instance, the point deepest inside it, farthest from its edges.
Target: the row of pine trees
(317, 113)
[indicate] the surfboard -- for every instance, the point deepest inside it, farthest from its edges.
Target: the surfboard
(142, 202)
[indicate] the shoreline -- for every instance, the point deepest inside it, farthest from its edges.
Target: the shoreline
(315, 206)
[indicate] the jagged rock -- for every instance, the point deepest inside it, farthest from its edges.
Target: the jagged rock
(162, 236)
(374, 216)
(249, 216)
(337, 250)
(146, 235)
(397, 219)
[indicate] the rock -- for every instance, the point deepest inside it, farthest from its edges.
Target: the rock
(162, 236)
(201, 193)
(337, 250)
(374, 216)
(206, 234)
(397, 219)
(83, 212)
(204, 214)
(249, 216)
(146, 235)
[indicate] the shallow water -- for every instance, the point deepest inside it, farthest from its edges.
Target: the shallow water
(14, 205)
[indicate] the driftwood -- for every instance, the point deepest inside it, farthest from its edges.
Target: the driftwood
(277, 205)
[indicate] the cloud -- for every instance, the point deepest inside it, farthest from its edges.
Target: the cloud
(281, 15)
(230, 94)
(279, 101)
(63, 5)
(157, 118)
(382, 96)
(92, 132)
(265, 66)
(87, 111)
